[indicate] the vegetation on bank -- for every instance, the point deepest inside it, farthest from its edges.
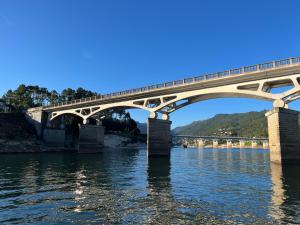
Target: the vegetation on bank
(25, 97)
(251, 124)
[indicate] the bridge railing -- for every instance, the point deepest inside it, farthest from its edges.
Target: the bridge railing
(186, 81)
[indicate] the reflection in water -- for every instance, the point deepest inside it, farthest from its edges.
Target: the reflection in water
(195, 186)
(159, 188)
(286, 193)
(159, 175)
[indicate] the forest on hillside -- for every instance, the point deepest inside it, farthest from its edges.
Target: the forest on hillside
(251, 124)
(27, 96)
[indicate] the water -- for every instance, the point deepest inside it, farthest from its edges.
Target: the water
(123, 187)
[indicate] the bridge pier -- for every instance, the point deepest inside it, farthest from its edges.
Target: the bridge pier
(242, 143)
(159, 137)
(254, 144)
(38, 118)
(215, 143)
(229, 143)
(54, 137)
(91, 138)
(284, 138)
(201, 143)
(265, 145)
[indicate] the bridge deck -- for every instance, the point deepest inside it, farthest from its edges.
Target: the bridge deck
(244, 74)
(220, 137)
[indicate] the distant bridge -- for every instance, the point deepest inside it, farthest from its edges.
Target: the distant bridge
(201, 140)
(220, 138)
(160, 100)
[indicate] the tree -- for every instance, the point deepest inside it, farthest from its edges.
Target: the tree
(67, 94)
(53, 97)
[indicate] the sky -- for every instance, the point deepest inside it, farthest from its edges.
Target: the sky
(114, 45)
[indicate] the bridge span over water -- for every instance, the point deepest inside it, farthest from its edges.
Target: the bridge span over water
(160, 100)
(200, 141)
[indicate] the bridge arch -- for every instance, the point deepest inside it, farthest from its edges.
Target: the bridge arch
(168, 103)
(87, 112)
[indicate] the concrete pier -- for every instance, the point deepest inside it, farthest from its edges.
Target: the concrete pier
(254, 144)
(242, 143)
(229, 143)
(284, 138)
(91, 138)
(265, 145)
(54, 137)
(159, 137)
(201, 143)
(215, 143)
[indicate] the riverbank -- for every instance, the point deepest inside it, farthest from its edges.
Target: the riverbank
(19, 136)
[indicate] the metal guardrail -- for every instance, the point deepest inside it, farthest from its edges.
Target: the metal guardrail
(191, 80)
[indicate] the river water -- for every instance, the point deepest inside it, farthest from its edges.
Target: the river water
(124, 187)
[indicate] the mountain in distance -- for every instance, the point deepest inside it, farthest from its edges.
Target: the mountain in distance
(251, 124)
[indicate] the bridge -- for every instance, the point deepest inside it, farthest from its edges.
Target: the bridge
(200, 141)
(256, 81)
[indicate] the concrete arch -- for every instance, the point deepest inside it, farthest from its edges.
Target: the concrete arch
(256, 90)
(52, 117)
(168, 103)
(101, 108)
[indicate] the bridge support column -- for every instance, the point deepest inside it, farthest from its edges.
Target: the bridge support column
(265, 145)
(215, 143)
(159, 137)
(38, 118)
(54, 137)
(91, 138)
(254, 144)
(284, 138)
(242, 143)
(229, 143)
(201, 143)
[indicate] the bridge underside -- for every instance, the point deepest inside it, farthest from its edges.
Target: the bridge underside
(283, 128)
(168, 103)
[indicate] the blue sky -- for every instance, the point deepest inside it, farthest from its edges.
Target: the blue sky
(113, 45)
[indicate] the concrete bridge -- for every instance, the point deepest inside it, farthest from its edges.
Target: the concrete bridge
(200, 141)
(255, 81)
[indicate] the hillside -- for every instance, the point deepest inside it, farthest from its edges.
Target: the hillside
(251, 124)
(14, 126)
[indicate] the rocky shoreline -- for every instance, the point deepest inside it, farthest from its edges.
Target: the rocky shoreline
(36, 146)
